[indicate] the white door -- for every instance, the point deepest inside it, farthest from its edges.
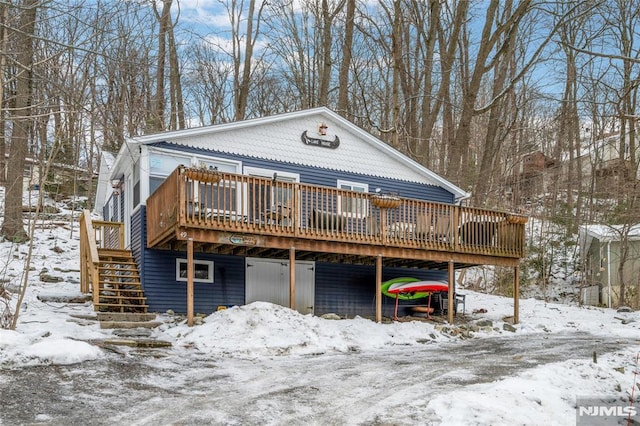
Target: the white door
(267, 280)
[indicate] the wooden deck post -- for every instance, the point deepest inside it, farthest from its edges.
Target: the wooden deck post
(451, 293)
(379, 288)
(516, 294)
(292, 278)
(190, 282)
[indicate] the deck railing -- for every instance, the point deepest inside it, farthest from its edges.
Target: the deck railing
(209, 199)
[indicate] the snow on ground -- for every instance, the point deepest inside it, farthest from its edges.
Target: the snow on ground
(56, 333)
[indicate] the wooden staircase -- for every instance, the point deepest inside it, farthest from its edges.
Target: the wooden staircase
(119, 288)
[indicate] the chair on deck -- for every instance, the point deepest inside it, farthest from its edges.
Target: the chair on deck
(441, 227)
(423, 226)
(433, 226)
(372, 226)
(326, 221)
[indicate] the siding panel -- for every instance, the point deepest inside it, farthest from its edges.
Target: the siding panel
(326, 177)
(158, 271)
(350, 289)
(164, 292)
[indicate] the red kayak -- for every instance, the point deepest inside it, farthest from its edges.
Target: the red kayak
(418, 286)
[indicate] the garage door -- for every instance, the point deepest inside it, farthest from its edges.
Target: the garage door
(267, 280)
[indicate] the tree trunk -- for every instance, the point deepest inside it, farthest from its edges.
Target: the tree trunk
(175, 85)
(13, 226)
(4, 39)
(158, 123)
(343, 78)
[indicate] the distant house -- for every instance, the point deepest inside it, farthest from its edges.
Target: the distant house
(600, 246)
(613, 162)
(302, 209)
(31, 176)
(530, 177)
(60, 175)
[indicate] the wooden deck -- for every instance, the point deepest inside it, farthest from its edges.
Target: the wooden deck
(252, 216)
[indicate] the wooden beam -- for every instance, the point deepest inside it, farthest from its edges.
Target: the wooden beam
(379, 288)
(451, 294)
(516, 295)
(292, 278)
(338, 249)
(190, 282)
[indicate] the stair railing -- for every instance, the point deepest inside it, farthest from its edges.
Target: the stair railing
(89, 258)
(96, 234)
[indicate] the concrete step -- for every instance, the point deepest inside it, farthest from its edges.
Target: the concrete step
(125, 316)
(139, 343)
(129, 324)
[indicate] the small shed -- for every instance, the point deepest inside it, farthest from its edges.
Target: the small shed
(602, 247)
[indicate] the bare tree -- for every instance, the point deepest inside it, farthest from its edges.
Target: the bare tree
(22, 122)
(345, 65)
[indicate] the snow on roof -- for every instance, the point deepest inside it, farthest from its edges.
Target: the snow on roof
(611, 232)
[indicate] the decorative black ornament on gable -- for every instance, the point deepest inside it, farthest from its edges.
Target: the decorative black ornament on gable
(307, 140)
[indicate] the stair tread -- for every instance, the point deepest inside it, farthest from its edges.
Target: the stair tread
(122, 298)
(119, 282)
(122, 305)
(115, 285)
(119, 276)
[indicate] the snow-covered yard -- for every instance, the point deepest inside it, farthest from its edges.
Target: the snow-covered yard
(265, 364)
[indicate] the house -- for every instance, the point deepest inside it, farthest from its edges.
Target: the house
(601, 247)
(530, 176)
(31, 175)
(303, 209)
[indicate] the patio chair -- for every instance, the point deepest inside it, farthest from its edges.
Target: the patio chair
(459, 299)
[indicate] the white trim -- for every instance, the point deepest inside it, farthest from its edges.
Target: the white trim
(268, 173)
(143, 164)
(210, 270)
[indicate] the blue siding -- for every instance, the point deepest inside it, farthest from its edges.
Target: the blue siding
(158, 270)
(164, 292)
(350, 289)
(138, 233)
(325, 177)
(347, 290)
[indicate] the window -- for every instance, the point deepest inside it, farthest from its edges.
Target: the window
(202, 270)
(162, 165)
(353, 206)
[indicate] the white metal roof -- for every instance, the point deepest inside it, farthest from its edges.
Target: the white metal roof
(610, 232)
(278, 138)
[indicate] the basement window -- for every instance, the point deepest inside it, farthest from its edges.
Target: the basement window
(202, 271)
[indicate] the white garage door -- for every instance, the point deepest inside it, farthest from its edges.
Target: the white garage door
(267, 280)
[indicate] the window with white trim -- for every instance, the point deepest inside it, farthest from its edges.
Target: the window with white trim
(202, 270)
(353, 206)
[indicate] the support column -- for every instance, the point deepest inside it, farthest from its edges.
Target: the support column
(379, 288)
(451, 293)
(292, 278)
(190, 282)
(516, 294)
